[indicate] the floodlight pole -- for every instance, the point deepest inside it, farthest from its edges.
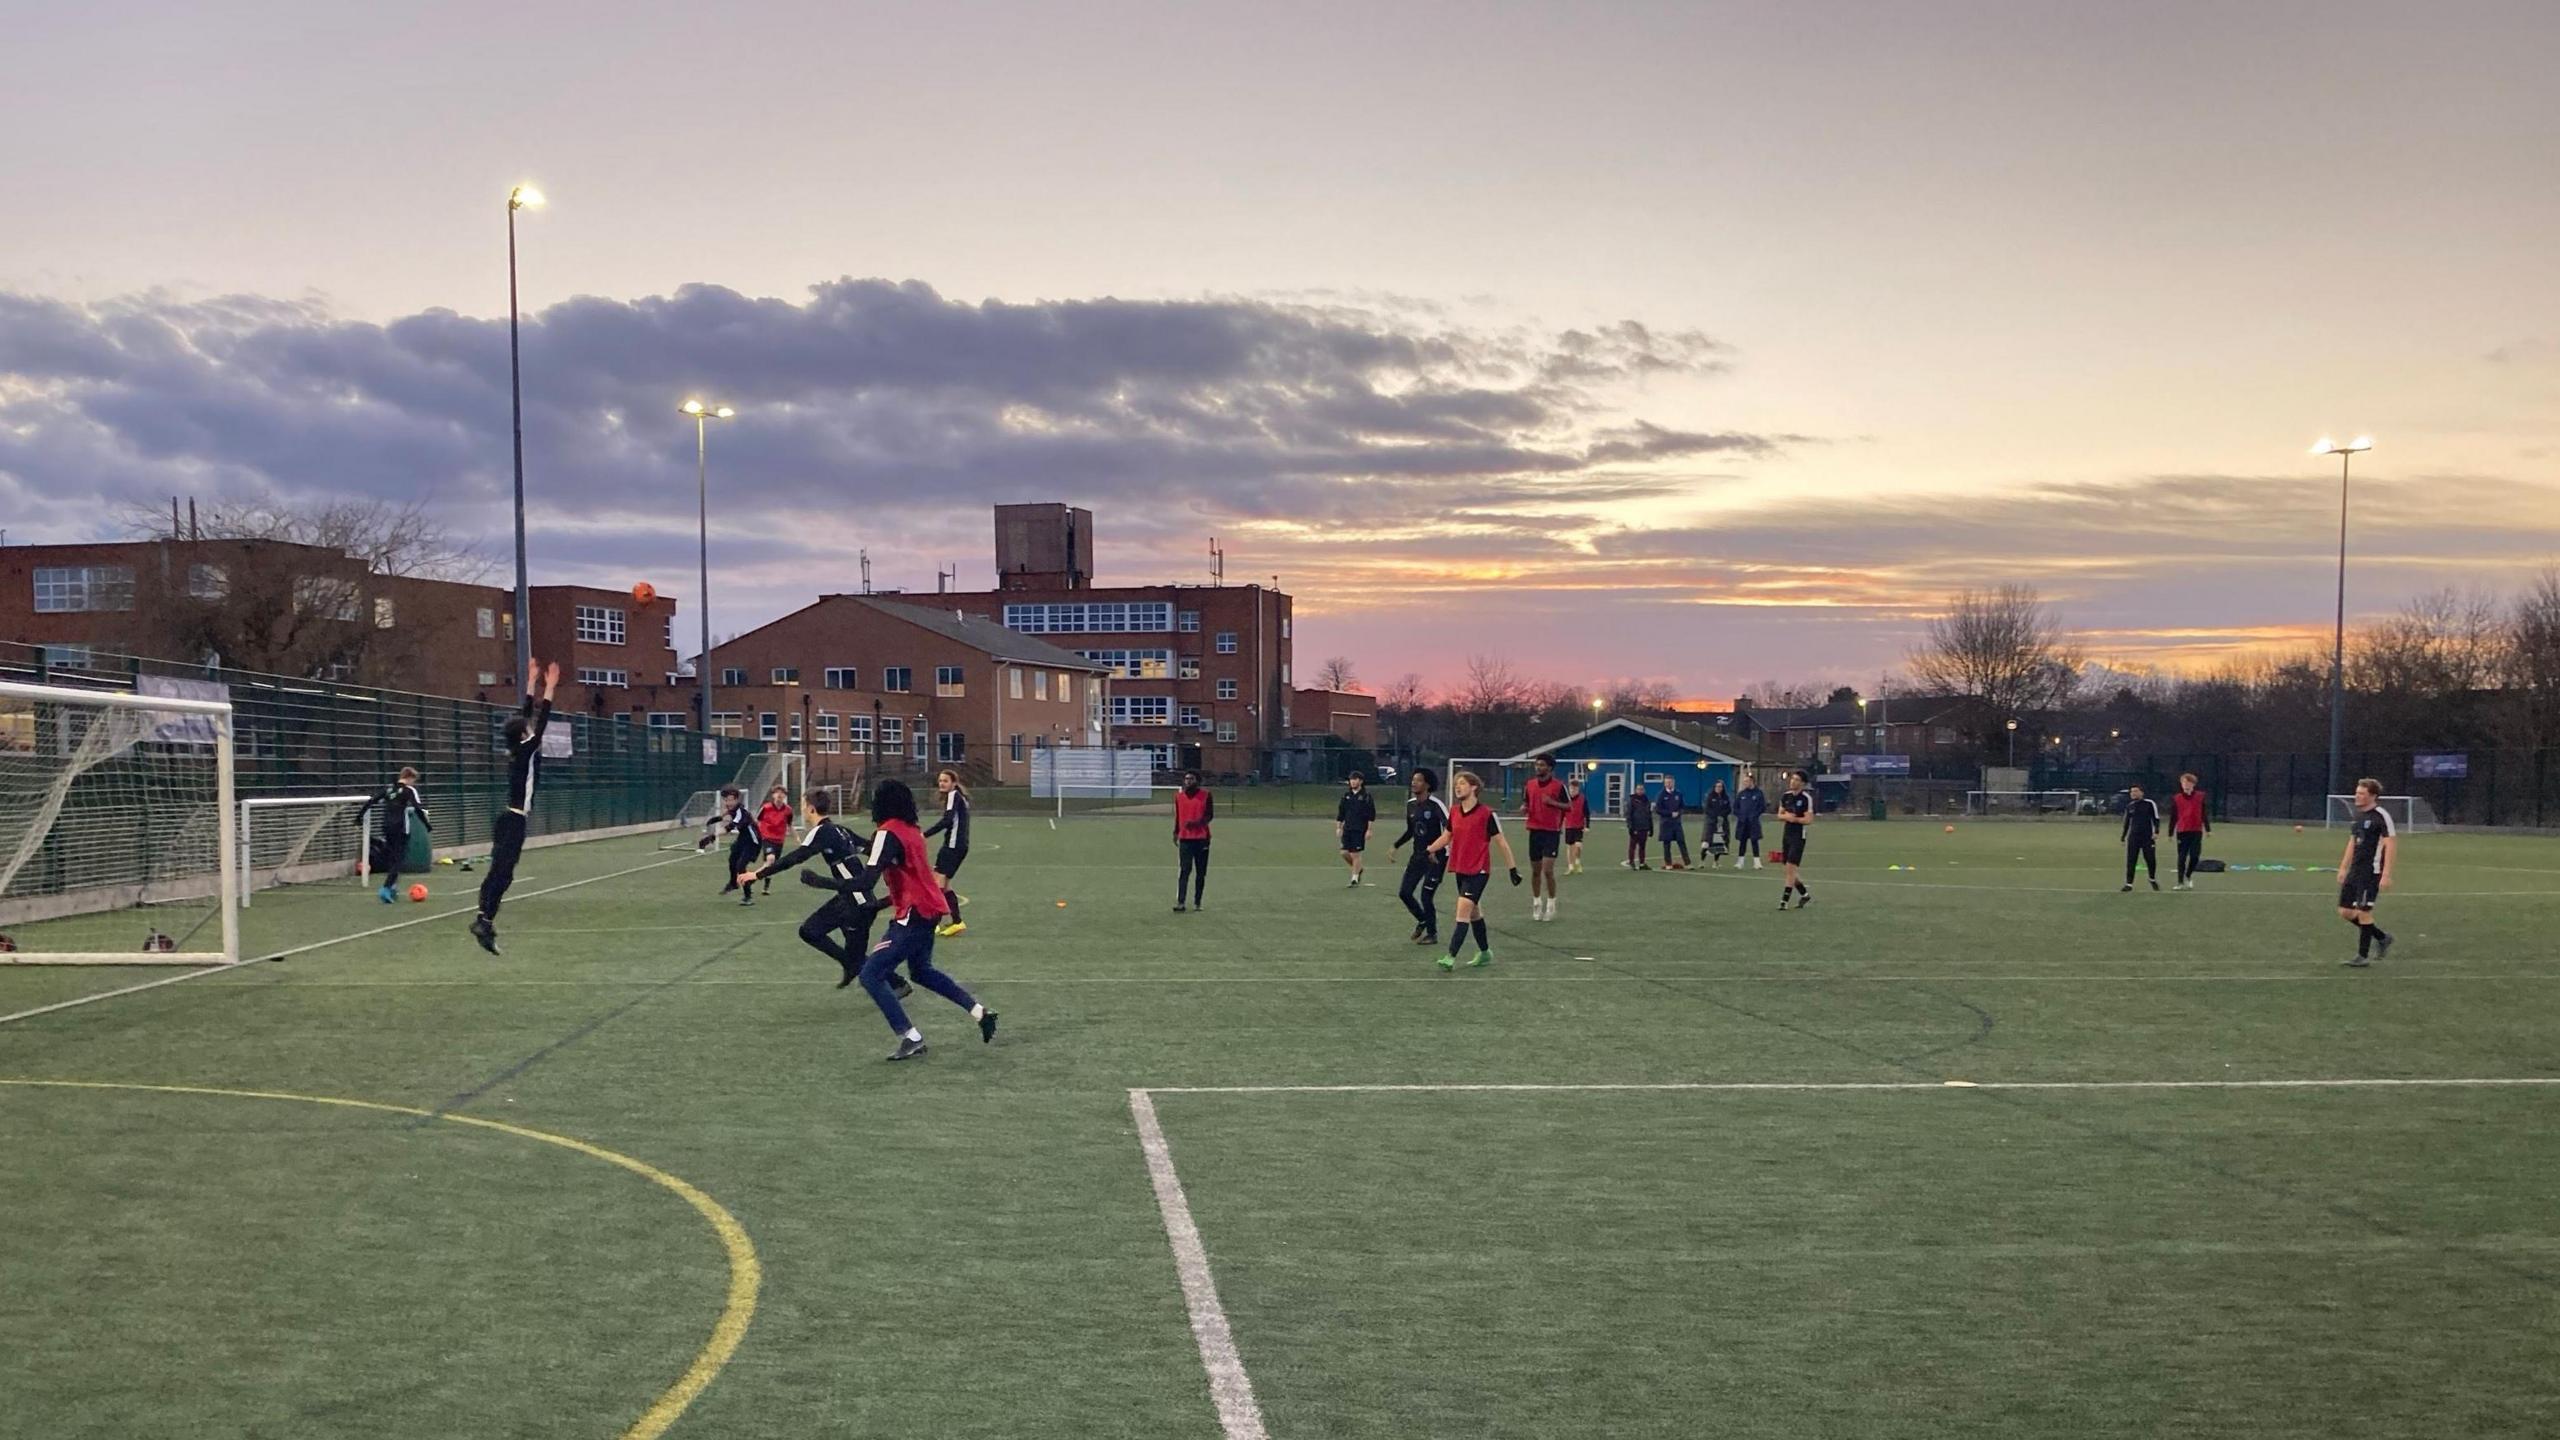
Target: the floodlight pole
(2338, 644)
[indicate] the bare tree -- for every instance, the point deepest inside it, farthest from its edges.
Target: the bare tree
(1491, 687)
(2418, 677)
(263, 585)
(2532, 664)
(1336, 673)
(2003, 648)
(1405, 693)
(1777, 695)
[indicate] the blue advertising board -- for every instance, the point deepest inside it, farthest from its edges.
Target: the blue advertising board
(2440, 765)
(1875, 764)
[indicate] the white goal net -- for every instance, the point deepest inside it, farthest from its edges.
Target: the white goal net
(2022, 804)
(117, 841)
(755, 780)
(294, 840)
(2407, 812)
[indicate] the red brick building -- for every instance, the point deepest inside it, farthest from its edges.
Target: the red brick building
(310, 610)
(868, 682)
(1346, 714)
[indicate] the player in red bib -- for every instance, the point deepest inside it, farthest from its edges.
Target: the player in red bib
(773, 827)
(1577, 818)
(2189, 821)
(1193, 808)
(1544, 803)
(916, 904)
(1470, 841)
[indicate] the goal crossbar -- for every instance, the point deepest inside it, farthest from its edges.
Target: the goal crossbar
(226, 839)
(290, 867)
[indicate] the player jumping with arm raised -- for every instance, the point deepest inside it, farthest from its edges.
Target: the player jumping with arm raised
(524, 767)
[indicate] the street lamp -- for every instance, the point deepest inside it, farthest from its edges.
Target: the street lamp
(2338, 639)
(703, 415)
(2013, 744)
(523, 197)
(1595, 709)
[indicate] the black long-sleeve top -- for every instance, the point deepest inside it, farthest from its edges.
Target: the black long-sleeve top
(1358, 810)
(2141, 821)
(954, 822)
(524, 757)
(400, 804)
(833, 843)
(1425, 820)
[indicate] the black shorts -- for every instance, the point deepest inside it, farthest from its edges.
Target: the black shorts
(1471, 887)
(1573, 834)
(947, 864)
(1791, 850)
(1543, 844)
(1355, 841)
(2359, 893)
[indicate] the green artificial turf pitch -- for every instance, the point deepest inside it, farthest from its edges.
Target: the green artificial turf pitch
(971, 1245)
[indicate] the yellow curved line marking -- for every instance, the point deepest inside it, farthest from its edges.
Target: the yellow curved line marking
(746, 1273)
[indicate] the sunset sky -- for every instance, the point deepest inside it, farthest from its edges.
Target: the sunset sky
(1692, 342)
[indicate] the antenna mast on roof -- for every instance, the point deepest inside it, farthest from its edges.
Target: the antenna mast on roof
(1217, 563)
(866, 571)
(945, 581)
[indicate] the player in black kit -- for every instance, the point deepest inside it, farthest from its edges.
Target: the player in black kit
(2364, 872)
(1424, 820)
(1352, 818)
(852, 909)
(1795, 816)
(2141, 836)
(524, 767)
(739, 824)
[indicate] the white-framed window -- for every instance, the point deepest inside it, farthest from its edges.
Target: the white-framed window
(667, 719)
(1226, 642)
(327, 596)
(726, 722)
(617, 678)
(1190, 667)
(1227, 689)
(207, 582)
(1226, 732)
(1190, 718)
(1141, 709)
(951, 747)
(786, 674)
(1013, 747)
(733, 676)
(921, 747)
(893, 733)
(336, 670)
(67, 589)
(485, 622)
(68, 657)
(843, 677)
(1066, 687)
(795, 727)
(384, 615)
(507, 625)
(1190, 622)
(1013, 680)
(1039, 684)
(828, 733)
(1284, 627)
(768, 726)
(857, 731)
(1284, 672)
(1090, 617)
(898, 679)
(600, 625)
(671, 630)
(488, 677)
(947, 683)
(1133, 664)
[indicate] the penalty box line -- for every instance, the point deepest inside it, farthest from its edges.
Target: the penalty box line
(1231, 1389)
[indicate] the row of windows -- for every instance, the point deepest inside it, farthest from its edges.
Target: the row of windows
(1094, 617)
(600, 625)
(618, 678)
(67, 588)
(838, 734)
(1134, 664)
(1141, 710)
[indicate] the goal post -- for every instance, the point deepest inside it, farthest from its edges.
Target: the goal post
(1091, 772)
(113, 803)
(755, 780)
(2408, 812)
(294, 839)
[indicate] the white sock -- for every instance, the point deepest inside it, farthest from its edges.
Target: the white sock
(977, 1012)
(915, 1034)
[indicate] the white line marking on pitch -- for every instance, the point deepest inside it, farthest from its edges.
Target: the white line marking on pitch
(316, 945)
(1229, 1387)
(1879, 1085)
